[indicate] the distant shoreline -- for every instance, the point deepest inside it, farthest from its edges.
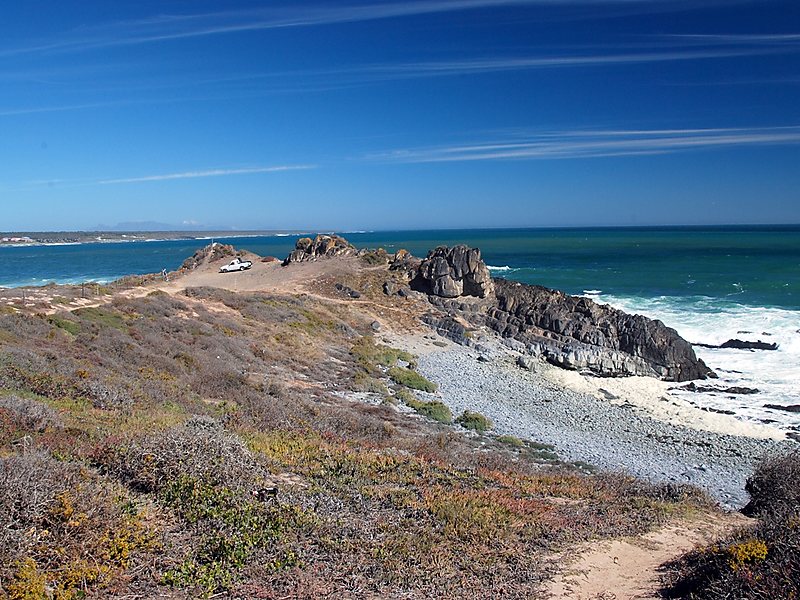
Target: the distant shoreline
(63, 238)
(74, 238)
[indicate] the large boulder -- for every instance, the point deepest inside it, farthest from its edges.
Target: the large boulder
(322, 246)
(453, 272)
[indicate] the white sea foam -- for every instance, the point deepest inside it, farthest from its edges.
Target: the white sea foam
(775, 373)
(503, 269)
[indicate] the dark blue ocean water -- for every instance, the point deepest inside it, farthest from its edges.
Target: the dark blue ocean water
(711, 284)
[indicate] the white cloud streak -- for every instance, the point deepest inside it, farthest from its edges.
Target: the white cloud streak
(595, 144)
(206, 173)
(174, 27)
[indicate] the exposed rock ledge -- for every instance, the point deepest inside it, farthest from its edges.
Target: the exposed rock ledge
(568, 331)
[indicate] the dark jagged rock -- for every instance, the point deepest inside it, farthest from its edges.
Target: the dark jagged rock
(568, 331)
(793, 408)
(453, 272)
(322, 246)
(347, 291)
(743, 345)
(738, 344)
(693, 387)
(577, 333)
(450, 328)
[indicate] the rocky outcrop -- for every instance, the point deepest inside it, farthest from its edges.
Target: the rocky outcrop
(207, 254)
(453, 272)
(577, 333)
(567, 331)
(322, 246)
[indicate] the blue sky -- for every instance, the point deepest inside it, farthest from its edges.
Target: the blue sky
(397, 115)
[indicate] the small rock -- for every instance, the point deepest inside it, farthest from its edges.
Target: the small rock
(389, 288)
(483, 358)
(795, 408)
(527, 362)
(375, 326)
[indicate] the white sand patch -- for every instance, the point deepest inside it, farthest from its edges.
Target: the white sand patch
(652, 396)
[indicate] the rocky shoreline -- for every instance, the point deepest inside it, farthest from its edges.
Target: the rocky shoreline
(581, 427)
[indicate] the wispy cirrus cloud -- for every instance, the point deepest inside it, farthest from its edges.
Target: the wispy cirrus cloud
(205, 173)
(487, 65)
(162, 28)
(594, 144)
(86, 182)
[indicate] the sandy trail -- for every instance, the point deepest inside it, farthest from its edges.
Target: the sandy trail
(629, 569)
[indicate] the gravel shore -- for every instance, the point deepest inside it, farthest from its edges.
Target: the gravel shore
(584, 428)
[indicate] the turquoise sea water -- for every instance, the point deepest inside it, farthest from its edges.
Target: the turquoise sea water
(711, 284)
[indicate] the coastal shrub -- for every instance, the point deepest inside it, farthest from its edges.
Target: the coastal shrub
(201, 448)
(63, 528)
(368, 354)
(407, 397)
(774, 486)
(229, 529)
(438, 411)
(68, 325)
(759, 561)
(30, 415)
(366, 383)
(102, 318)
(511, 441)
(411, 379)
(475, 421)
(375, 257)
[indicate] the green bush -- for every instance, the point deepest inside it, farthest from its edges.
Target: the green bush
(369, 354)
(411, 379)
(435, 410)
(475, 421)
(511, 441)
(67, 325)
(102, 317)
(367, 383)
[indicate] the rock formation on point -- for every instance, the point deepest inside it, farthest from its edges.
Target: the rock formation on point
(454, 272)
(307, 249)
(568, 331)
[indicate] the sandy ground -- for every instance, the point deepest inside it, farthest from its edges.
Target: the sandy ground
(629, 568)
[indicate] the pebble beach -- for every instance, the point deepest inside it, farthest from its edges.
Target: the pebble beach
(612, 432)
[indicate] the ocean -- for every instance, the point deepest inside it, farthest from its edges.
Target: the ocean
(711, 284)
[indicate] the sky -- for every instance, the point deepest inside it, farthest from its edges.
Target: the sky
(398, 115)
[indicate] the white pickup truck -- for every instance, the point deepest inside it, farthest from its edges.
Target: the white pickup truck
(237, 264)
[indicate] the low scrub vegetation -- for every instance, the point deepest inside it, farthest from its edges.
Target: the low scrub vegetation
(761, 561)
(204, 444)
(475, 421)
(411, 379)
